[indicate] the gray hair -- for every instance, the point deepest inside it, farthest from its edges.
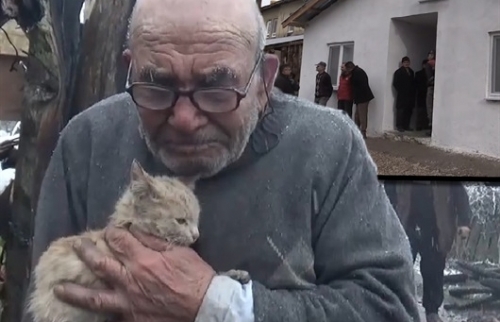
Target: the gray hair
(261, 28)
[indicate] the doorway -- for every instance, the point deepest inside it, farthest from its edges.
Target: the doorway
(414, 36)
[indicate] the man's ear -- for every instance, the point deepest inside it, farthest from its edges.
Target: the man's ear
(271, 65)
(127, 57)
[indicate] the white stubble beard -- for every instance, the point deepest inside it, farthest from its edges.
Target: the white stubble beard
(203, 168)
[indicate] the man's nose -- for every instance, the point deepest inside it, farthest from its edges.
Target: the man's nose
(186, 117)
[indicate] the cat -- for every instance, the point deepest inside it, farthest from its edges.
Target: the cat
(161, 206)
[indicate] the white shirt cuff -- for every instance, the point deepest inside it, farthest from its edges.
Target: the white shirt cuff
(227, 300)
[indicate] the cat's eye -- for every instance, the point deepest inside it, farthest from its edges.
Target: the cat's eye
(181, 221)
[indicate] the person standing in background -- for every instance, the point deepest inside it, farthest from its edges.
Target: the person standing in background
(344, 92)
(430, 71)
(324, 88)
(421, 91)
(404, 84)
(432, 214)
(362, 95)
(285, 82)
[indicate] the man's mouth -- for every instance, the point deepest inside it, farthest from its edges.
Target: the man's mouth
(189, 148)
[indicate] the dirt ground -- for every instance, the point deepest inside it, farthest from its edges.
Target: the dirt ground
(399, 157)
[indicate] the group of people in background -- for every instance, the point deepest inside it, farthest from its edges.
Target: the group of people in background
(353, 88)
(415, 90)
(412, 90)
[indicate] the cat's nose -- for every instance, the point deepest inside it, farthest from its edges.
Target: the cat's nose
(195, 233)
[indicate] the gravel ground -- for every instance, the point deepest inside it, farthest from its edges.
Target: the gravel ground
(388, 164)
(395, 157)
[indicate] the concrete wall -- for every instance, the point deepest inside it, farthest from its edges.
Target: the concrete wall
(463, 119)
(11, 90)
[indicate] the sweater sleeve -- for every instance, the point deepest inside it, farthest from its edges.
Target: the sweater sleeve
(61, 210)
(363, 262)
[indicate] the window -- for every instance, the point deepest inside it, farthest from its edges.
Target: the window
(339, 54)
(274, 27)
(290, 30)
(494, 83)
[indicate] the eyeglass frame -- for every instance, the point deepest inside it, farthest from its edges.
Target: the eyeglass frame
(240, 93)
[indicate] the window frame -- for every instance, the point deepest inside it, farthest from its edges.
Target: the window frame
(490, 94)
(268, 26)
(274, 27)
(342, 45)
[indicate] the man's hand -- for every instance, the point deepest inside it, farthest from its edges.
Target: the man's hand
(463, 232)
(147, 285)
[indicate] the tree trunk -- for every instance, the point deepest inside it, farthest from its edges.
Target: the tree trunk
(102, 71)
(63, 78)
(49, 83)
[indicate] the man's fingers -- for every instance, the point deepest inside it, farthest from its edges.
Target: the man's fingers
(123, 244)
(148, 240)
(105, 301)
(104, 266)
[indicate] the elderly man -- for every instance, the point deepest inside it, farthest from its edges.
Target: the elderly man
(287, 188)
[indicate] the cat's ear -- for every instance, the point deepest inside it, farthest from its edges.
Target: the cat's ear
(140, 181)
(137, 173)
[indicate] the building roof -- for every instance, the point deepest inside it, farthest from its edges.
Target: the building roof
(283, 40)
(307, 12)
(276, 4)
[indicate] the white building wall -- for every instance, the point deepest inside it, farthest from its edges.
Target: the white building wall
(463, 119)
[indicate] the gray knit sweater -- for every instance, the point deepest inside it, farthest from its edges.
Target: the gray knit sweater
(302, 210)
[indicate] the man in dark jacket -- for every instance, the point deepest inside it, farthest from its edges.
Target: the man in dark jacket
(362, 95)
(430, 69)
(285, 82)
(421, 91)
(324, 88)
(404, 84)
(432, 213)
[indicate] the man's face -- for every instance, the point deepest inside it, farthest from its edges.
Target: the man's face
(406, 64)
(320, 68)
(191, 142)
(343, 68)
(287, 71)
(430, 56)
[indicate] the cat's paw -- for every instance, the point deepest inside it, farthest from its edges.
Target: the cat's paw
(238, 275)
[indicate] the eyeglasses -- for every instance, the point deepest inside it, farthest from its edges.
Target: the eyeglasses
(210, 100)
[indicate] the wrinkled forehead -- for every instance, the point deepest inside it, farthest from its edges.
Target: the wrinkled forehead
(185, 43)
